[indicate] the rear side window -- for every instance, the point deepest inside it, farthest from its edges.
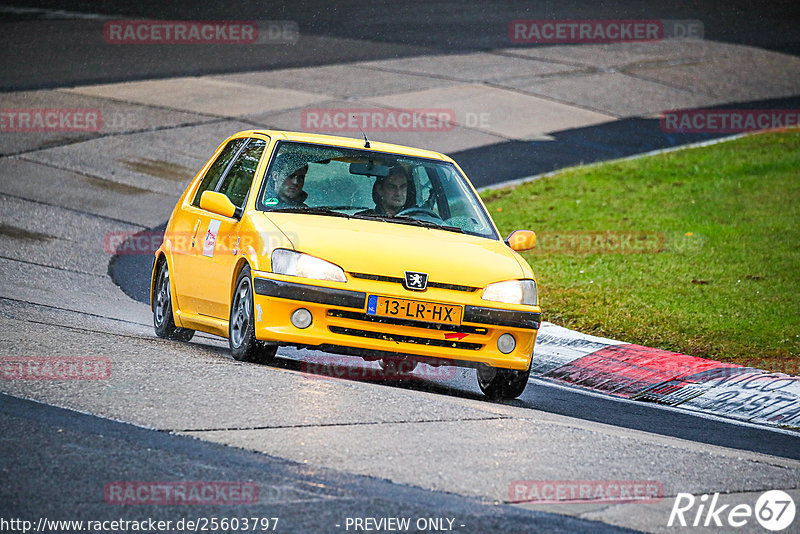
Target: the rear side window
(239, 178)
(217, 169)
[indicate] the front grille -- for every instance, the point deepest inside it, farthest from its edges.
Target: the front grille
(395, 280)
(405, 339)
(405, 322)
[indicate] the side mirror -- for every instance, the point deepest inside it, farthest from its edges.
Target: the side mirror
(520, 240)
(217, 203)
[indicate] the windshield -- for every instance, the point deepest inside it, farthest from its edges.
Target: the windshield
(395, 189)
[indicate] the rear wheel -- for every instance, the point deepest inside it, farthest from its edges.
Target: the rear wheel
(163, 321)
(241, 326)
(502, 384)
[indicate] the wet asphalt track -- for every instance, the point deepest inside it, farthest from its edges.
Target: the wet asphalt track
(92, 450)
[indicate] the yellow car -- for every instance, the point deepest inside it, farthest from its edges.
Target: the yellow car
(346, 246)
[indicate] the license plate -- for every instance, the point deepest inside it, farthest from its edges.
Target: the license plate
(414, 310)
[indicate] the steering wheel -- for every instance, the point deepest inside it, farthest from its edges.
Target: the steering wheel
(420, 211)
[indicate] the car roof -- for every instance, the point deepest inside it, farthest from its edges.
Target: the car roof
(348, 142)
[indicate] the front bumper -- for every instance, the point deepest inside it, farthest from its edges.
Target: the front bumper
(340, 322)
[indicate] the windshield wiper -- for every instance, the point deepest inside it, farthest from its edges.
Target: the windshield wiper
(428, 224)
(325, 210)
(410, 221)
(312, 211)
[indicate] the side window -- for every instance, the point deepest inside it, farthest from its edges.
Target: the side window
(237, 182)
(217, 169)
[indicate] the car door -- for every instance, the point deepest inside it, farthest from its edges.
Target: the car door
(219, 236)
(187, 234)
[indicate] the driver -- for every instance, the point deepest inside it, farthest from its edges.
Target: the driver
(390, 193)
(290, 192)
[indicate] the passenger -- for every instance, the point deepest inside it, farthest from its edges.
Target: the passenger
(391, 194)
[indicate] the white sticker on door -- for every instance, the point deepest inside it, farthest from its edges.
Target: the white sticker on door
(211, 238)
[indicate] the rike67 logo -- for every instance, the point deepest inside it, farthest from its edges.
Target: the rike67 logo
(774, 510)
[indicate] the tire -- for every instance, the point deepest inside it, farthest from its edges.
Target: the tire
(163, 321)
(241, 325)
(502, 384)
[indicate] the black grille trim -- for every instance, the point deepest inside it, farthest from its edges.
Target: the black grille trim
(511, 318)
(306, 293)
(405, 339)
(404, 322)
(396, 280)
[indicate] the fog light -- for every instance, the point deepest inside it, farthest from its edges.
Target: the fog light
(506, 343)
(301, 318)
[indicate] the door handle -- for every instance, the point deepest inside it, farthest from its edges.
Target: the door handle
(194, 232)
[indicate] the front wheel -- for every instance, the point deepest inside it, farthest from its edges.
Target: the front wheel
(241, 326)
(163, 321)
(502, 384)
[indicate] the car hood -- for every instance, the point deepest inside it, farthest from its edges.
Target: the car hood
(389, 249)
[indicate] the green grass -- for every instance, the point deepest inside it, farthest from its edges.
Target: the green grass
(725, 282)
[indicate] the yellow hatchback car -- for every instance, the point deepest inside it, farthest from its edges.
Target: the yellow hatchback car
(346, 246)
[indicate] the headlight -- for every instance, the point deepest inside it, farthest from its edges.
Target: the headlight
(297, 264)
(512, 292)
